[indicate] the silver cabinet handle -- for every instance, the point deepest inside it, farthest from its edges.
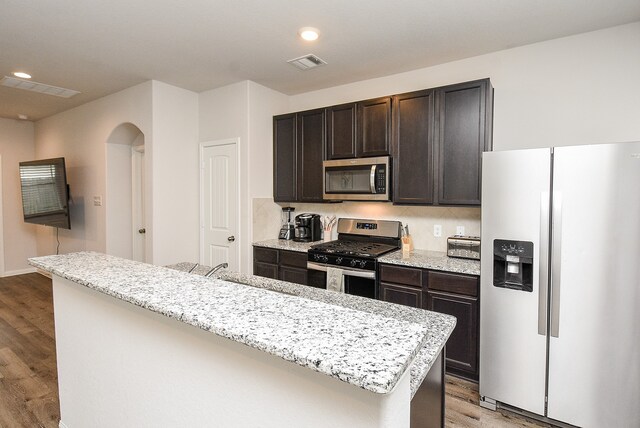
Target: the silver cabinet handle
(231, 238)
(543, 263)
(555, 264)
(143, 230)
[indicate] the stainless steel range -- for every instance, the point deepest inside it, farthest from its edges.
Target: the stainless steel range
(360, 242)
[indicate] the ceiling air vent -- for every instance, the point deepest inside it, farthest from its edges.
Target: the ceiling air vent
(306, 62)
(27, 85)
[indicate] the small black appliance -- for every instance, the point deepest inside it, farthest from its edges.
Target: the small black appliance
(308, 228)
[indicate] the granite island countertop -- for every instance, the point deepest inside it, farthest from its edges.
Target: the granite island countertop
(439, 326)
(363, 348)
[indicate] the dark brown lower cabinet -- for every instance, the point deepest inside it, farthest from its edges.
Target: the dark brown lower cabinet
(266, 270)
(449, 293)
(401, 294)
(284, 265)
(297, 275)
(462, 346)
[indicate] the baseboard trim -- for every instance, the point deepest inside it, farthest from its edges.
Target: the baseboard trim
(19, 272)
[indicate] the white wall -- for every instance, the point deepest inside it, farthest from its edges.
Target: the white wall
(174, 154)
(80, 135)
(16, 145)
(244, 110)
(582, 89)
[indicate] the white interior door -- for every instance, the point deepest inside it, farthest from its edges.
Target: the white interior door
(219, 185)
(137, 203)
(594, 348)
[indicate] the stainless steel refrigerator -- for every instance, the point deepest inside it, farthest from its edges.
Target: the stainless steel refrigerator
(560, 283)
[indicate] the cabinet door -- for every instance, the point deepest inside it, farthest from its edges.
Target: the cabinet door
(284, 158)
(341, 131)
(413, 166)
(403, 295)
(374, 127)
(297, 275)
(462, 346)
(310, 148)
(266, 270)
(463, 114)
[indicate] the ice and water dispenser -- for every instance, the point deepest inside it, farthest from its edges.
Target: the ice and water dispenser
(513, 264)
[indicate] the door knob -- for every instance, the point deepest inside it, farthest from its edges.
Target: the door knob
(231, 238)
(143, 230)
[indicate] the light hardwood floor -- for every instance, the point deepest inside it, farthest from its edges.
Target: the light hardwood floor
(28, 378)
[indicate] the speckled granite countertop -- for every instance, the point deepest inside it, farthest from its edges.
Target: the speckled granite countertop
(435, 260)
(426, 259)
(438, 326)
(284, 244)
(367, 348)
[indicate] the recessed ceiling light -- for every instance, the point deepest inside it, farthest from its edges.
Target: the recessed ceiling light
(22, 75)
(308, 33)
(23, 117)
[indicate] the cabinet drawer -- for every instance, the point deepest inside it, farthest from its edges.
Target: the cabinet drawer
(453, 283)
(265, 255)
(401, 275)
(293, 258)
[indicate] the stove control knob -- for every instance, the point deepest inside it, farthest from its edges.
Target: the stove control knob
(353, 263)
(316, 257)
(363, 263)
(325, 259)
(339, 260)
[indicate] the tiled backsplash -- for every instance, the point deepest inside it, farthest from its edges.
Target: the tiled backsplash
(267, 215)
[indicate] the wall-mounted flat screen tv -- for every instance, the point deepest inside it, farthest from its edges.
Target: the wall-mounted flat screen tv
(45, 194)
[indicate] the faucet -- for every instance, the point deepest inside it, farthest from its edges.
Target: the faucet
(215, 269)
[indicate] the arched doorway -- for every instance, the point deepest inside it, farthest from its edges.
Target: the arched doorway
(125, 198)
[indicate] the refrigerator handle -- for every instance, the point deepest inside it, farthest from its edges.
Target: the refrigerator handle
(555, 263)
(543, 263)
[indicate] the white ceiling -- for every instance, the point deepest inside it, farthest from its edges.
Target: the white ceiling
(99, 47)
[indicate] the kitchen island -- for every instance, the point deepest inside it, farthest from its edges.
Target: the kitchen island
(128, 354)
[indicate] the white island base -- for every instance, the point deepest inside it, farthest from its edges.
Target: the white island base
(125, 366)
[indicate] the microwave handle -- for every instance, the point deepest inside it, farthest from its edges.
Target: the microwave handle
(372, 179)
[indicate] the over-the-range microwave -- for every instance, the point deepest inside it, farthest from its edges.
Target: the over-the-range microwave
(361, 179)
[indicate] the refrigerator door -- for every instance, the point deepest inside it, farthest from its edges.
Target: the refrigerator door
(594, 348)
(513, 344)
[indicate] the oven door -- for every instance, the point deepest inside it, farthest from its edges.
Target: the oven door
(365, 179)
(358, 282)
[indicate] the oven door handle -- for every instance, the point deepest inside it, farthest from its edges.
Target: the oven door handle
(347, 272)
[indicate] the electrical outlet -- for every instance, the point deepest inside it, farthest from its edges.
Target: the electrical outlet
(459, 230)
(97, 201)
(437, 230)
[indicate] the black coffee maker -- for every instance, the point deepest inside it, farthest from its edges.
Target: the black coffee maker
(308, 228)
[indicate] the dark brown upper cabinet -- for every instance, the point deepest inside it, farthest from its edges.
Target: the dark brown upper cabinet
(438, 139)
(374, 127)
(463, 132)
(413, 165)
(310, 146)
(361, 129)
(298, 152)
(341, 131)
(284, 158)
